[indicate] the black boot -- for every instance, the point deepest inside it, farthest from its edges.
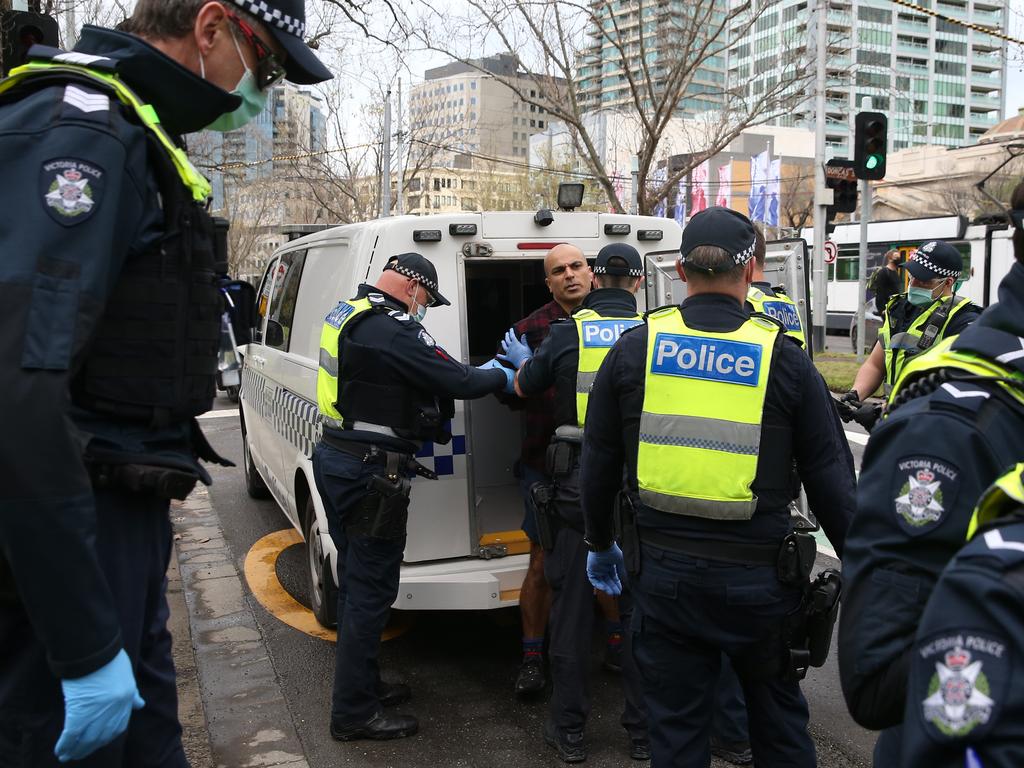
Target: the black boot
(737, 753)
(380, 726)
(393, 694)
(531, 675)
(640, 749)
(570, 745)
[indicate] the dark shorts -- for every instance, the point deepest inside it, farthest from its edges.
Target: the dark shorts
(527, 477)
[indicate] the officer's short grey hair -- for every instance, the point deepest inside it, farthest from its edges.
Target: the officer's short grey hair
(171, 19)
(712, 262)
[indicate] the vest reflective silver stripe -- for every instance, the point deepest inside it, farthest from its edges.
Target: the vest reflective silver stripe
(329, 363)
(705, 508)
(585, 382)
(700, 432)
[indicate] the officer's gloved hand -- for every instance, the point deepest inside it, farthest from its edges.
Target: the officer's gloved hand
(97, 708)
(510, 375)
(606, 569)
(517, 351)
(867, 415)
(850, 397)
(847, 406)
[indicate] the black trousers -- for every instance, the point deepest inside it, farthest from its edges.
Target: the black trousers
(133, 540)
(571, 627)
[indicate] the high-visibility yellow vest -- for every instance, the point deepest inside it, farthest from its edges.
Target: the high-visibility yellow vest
(700, 429)
(943, 356)
(191, 177)
(900, 347)
(780, 307)
(597, 335)
(330, 355)
(1004, 495)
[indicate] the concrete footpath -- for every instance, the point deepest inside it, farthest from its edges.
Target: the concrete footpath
(230, 702)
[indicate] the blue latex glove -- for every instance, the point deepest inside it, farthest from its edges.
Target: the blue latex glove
(517, 351)
(606, 569)
(97, 708)
(510, 375)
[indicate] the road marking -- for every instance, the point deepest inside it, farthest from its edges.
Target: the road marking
(226, 413)
(856, 437)
(261, 575)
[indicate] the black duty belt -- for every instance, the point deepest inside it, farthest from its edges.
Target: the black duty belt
(711, 549)
(369, 453)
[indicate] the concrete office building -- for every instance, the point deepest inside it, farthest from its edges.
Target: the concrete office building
(939, 82)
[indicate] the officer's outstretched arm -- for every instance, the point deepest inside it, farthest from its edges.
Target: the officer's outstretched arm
(426, 366)
(62, 249)
(871, 373)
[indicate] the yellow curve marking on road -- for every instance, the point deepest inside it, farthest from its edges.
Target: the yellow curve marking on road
(261, 575)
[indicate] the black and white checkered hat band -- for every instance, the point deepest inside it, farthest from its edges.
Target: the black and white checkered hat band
(268, 15)
(412, 274)
(630, 273)
(742, 257)
(922, 258)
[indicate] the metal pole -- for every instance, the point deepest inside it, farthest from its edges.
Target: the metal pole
(634, 206)
(820, 304)
(399, 172)
(862, 267)
(385, 162)
(70, 25)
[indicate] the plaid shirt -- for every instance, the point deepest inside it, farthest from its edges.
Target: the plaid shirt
(540, 409)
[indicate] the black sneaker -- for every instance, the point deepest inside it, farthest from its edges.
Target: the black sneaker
(393, 694)
(613, 657)
(569, 745)
(380, 727)
(640, 749)
(531, 675)
(737, 753)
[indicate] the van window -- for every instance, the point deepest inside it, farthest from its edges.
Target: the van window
(327, 279)
(263, 301)
(287, 274)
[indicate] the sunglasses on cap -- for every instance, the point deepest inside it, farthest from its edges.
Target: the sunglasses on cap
(269, 70)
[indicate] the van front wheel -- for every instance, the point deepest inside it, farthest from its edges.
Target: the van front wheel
(323, 591)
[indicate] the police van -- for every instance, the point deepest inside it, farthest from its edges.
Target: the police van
(464, 547)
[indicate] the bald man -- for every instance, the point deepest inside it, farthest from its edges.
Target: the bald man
(569, 278)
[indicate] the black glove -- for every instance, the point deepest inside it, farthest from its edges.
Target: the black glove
(850, 397)
(867, 415)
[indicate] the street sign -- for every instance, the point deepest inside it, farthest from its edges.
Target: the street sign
(831, 252)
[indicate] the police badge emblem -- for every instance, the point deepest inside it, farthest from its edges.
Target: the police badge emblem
(71, 190)
(926, 492)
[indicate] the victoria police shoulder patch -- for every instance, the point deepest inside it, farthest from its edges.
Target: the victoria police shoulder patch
(959, 679)
(338, 315)
(71, 189)
(925, 489)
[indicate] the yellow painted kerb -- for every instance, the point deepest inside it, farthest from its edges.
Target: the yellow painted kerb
(261, 575)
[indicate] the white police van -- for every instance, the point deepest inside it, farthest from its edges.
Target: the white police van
(464, 548)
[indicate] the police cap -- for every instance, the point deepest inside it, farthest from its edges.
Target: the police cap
(418, 267)
(286, 21)
(723, 228)
(935, 259)
(626, 261)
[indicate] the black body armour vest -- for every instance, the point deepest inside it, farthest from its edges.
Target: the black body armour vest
(154, 355)
(366, 392)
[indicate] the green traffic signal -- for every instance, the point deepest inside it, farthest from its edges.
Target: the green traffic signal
(872, 162)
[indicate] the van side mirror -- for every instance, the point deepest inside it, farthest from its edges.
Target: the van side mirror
(275, 334)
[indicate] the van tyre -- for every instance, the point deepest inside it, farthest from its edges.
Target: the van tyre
(323, 591)
(254, 484)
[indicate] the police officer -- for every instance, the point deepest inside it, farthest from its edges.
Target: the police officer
(916, 320)
(569, 360)
(955, 422)
(965, 703)
(707, 408)
(766, 300)
(384, 387)
(108, 351)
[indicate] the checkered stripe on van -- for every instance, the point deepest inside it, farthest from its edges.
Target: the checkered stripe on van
(254, 392)
(447, 460)
(297, 420)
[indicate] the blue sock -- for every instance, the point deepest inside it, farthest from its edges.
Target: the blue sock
(533, 646)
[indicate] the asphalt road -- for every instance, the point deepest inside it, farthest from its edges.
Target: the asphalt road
(461, 666)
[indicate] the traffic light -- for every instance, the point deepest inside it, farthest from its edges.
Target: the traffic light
(19, 31)
(840, 178)
(870, 145)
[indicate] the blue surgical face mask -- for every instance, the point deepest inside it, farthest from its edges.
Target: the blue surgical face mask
(922, 297)
(254, 100)
(418, 311)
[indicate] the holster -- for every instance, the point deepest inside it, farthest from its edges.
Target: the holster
(627, 533)
(560, 458)
(384, 510)
(548, 522)
(162, 482)
(808, 631)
